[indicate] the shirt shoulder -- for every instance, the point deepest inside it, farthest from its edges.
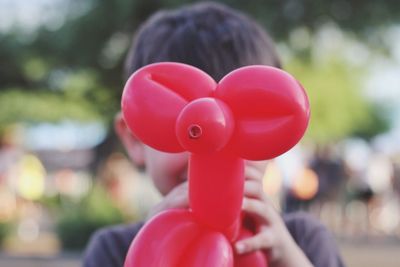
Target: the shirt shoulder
(108, 246)
(314, 239)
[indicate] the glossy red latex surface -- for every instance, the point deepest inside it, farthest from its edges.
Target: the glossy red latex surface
(155, 95)
(175, 238)
(254, 113)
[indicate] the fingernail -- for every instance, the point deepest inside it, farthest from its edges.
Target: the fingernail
(240, 248)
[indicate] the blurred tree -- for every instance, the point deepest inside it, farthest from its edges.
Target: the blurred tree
(338, 108)
(4, 230)
(78, 221)
(74, 70)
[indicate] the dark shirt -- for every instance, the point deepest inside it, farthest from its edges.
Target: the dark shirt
(108, 246)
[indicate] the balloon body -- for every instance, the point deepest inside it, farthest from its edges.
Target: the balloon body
(216, 190)
(253, 113)
(175, 238)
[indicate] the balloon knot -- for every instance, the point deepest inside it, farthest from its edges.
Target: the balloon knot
(194, 131)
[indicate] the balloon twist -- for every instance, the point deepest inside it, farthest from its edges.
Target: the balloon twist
(253, 113)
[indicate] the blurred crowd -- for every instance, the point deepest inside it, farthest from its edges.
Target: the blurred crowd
(55, 200)
(358, 193)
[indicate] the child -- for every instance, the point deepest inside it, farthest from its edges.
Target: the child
(217, 40)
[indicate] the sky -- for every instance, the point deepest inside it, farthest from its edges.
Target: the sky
(29, 14)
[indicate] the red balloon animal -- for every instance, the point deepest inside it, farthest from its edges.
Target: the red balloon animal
(254, 113)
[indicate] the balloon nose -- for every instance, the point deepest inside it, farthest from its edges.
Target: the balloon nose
(204, 125)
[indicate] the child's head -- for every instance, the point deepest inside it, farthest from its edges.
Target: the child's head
(209, 36)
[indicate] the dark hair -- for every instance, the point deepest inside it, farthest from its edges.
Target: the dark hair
(209, 36)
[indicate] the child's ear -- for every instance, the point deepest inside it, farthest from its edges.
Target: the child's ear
(133, 146)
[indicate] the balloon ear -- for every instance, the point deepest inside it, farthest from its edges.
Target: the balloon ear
(270, 108)
(154, 96)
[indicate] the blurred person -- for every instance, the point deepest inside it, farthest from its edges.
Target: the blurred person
(396, 175)
(301, 194)
(329, 168)
(379, 174)
(383, 207)
(356, 155)
(216, 39)
(330, 172)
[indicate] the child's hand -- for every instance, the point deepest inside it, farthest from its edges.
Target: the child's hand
(272, 236)
(177, 198)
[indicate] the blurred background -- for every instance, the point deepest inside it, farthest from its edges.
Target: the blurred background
(63, 173)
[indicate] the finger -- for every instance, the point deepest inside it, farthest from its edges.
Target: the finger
(252, 173)
(262, 241)
(178, 197)
(260, 209)
(256, 208)
(181, 201)
(254, 189)
(181, 188)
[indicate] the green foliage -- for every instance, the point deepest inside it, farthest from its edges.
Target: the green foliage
(338, 109)
(22, 106)
(80, 220)
(75, 96)
(4, 230)
(378, 123)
